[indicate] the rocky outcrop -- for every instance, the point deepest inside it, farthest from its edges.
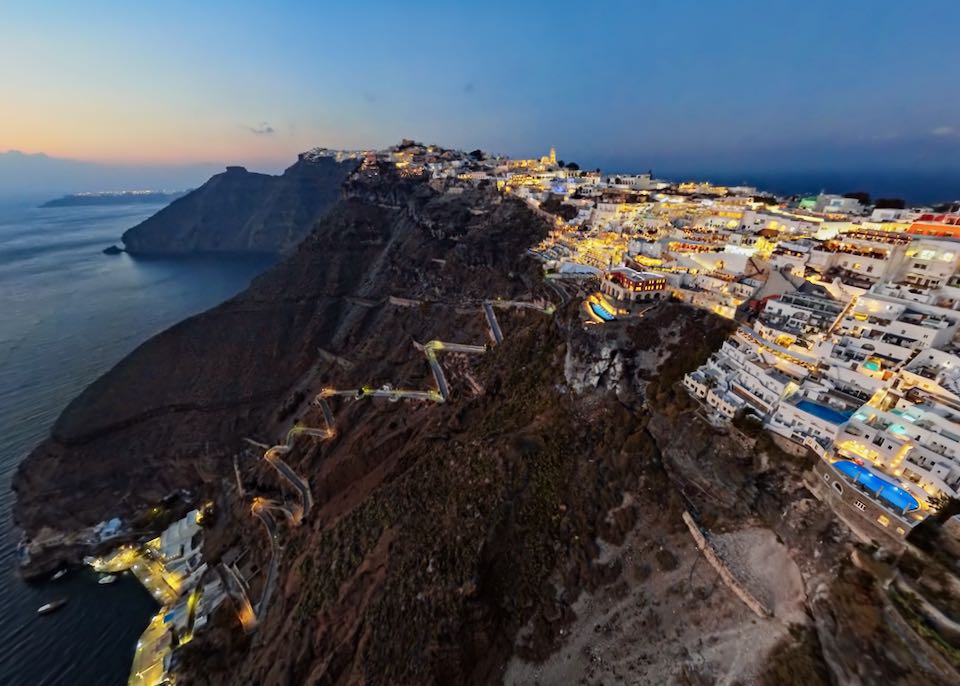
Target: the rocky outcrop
(625, 357)
(239, 211)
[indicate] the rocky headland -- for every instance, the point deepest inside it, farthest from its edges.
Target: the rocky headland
(239, 211)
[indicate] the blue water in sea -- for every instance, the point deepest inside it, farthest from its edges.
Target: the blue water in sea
(915, 187)
(67, 314)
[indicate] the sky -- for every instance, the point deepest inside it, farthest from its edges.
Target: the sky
(739, 85)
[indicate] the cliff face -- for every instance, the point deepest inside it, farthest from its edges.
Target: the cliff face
(240, 211)
(173, 412)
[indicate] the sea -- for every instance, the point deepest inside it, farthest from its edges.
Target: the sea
(68, 313)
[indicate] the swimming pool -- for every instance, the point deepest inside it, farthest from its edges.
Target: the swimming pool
(823, 412)
(602, 313)
(890, 493)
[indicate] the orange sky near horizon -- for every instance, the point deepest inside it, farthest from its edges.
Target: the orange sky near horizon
(136, 137)
(121, 99)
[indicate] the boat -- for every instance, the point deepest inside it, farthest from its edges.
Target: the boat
(107, 579)
(51, 606)
(60, 574)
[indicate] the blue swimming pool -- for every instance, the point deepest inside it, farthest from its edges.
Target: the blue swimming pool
(602, 313)
(823, 412)
(890, 493)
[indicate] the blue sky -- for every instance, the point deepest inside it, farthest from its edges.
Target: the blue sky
(745, 84)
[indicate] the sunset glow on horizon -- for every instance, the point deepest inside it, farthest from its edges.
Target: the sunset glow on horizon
(665, 81)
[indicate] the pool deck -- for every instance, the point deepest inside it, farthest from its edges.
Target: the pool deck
(871, 479)
(864, 522)
(827, 414)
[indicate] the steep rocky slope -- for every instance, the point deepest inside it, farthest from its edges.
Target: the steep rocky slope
(240, 211)
(173, 411)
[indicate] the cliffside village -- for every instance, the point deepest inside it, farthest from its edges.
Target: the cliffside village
(847, 312)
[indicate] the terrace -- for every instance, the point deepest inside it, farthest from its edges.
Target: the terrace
(923, 319)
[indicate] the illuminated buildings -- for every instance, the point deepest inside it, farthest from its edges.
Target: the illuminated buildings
(799, 315)
(900, 323)
(551, 159)
(848, 314)
(170, 567)
(754, 221)
(601, 252)
(942, 225)
(908, 435)
(630, 286)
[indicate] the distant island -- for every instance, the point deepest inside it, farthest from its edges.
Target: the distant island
(115, 198)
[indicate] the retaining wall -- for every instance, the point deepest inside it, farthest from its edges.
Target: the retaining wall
(729, 579)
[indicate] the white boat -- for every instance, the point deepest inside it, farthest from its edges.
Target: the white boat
(60, 574)
(51, 606)
(108, 579)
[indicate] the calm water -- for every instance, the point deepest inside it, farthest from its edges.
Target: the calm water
(67, 314)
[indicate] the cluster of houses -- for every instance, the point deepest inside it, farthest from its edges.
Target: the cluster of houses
(847, 346)
(847, 312)
(171, 568)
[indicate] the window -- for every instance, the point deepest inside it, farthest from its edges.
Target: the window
(883, 519)
(860, 505)
(837, 487)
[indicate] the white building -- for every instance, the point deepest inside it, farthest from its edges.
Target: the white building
(801, 313)
(901, 323)
(908, 435)
(837, 204)
(933, 371)
(799, 417)
(180, 543)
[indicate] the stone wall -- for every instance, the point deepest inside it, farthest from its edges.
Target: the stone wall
(788, 445)
(729, 579)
